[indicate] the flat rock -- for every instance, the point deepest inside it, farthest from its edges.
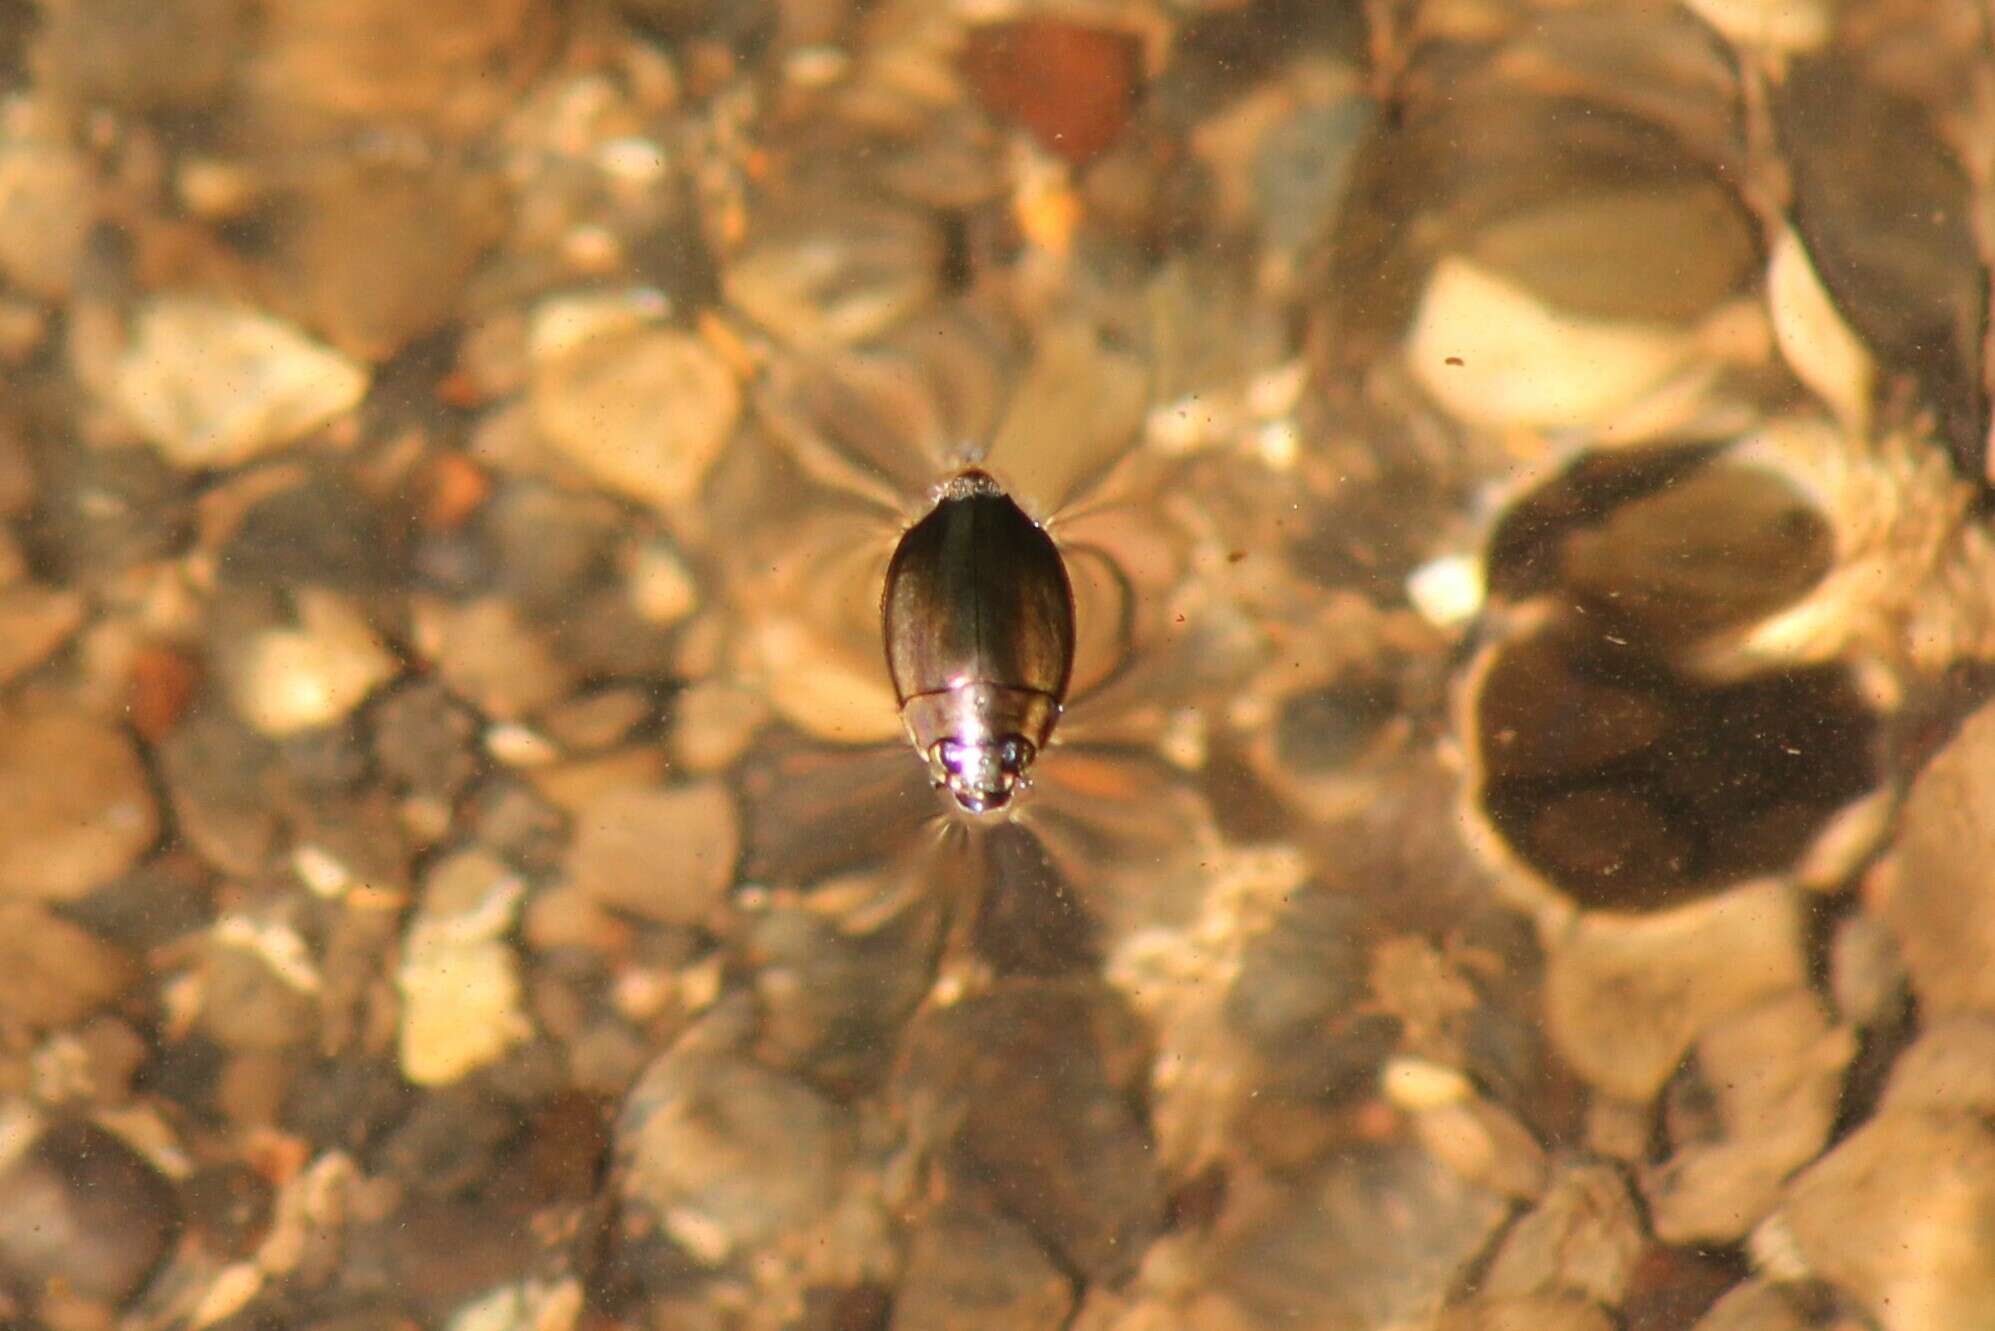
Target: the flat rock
(76, 808)
(213, 384)
(1376, 1236)
(373, 254)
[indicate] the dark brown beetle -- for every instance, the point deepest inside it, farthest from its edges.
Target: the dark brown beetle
(978, 616)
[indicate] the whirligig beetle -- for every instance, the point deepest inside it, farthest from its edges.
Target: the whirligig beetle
(978, 617)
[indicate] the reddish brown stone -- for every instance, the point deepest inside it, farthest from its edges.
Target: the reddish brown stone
(1071, 87)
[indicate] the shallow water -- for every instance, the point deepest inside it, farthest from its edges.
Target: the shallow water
(1513, 851)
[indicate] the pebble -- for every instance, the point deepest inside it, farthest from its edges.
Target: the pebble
(53, 973)
(1584, 1237)
(1071, 87)
(82, 1214)
(423, 738)
(372, 255)
(1534, 1312)
(1897, 1215)
(593, 722)
(834, 995)
(1755, 1305)
(459, 977)
(76, 807)
(447, 69)
(731, 1160)
(213, 384)
(489, 653)
(1775, 1073)
(34, 621)
(1372, 1236)
(285, 681)
(1625, 996)
(1012, 1088)
(259, 985)
(46, 209)
(140, 56)
(1937, 903)
(1950, 1066)
(644, 411)
(213, 766)
(831, 272)
(102, 511)
(661, 853)
(974, 1269)
(316, 525)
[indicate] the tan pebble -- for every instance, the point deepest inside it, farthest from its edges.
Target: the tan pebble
(34, 621)
(259, 985)
(1941, 910)
(52, 972)
(1897, 1215)
(661, 586)
(665, 853)
(597, 721)
(488, 654)
(1776, 1074)
(284, 681)
(563, 916)
(574, 786)
(731, 1158)
(45, 214)
(76, 808)
(645, 413)
(1950, 1066)
(1617, 1129)
(978, 1270)
(1585, 1235)
(1485, 1145)
(214, 384)
(1625, 996)
(1540, 1312)
(462, 998)
(713, 723)
(461, 1005)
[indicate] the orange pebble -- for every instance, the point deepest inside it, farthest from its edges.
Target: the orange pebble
(161, 684)
(456, 487)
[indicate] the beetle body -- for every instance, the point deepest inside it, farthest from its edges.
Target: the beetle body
(978, 616)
